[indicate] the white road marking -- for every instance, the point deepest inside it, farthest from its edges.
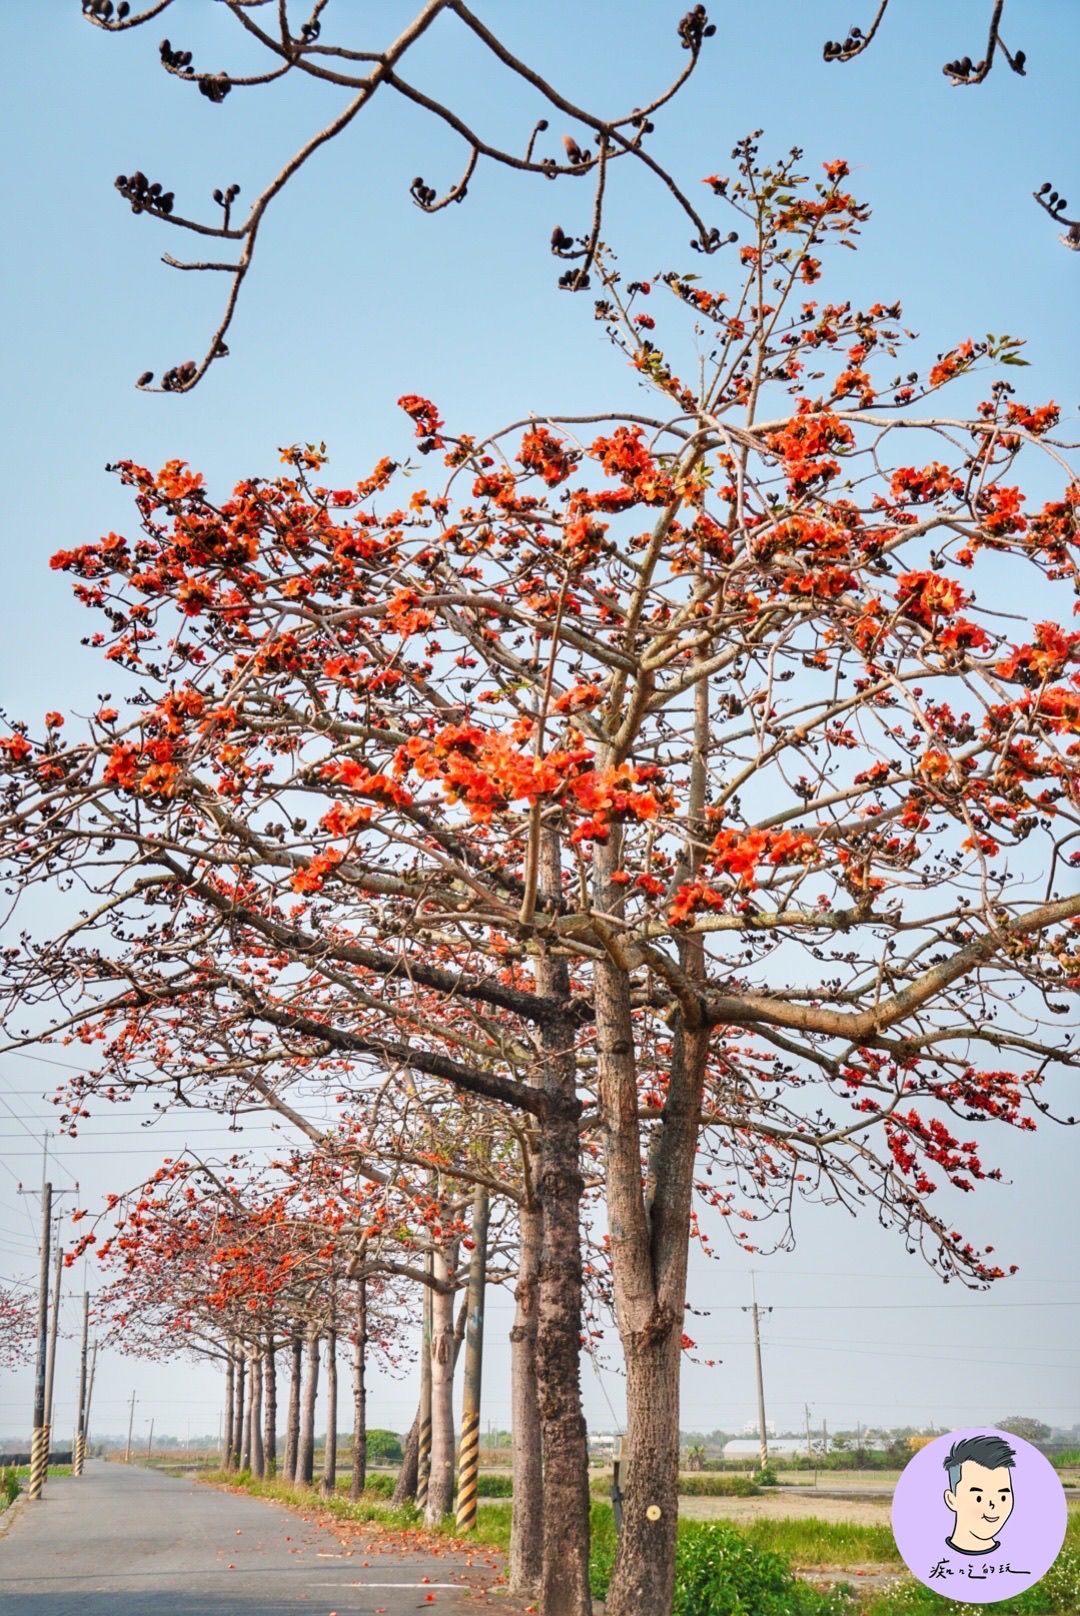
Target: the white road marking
(459, 1587)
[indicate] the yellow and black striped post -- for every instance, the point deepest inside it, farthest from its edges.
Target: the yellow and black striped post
(39, 1460)
(78, 1458)
(39, 1442)
(469, 1450)
(468, 1472)
(423, 1461)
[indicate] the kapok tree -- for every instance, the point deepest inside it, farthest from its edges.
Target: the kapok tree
(299, 47)
(18, 1327)
(232, 1263)
(662, 778)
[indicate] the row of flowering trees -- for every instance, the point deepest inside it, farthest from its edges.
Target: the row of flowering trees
(672, 806)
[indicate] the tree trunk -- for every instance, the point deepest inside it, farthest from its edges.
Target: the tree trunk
(405, 1486)
(329, 1475)
(292, 1424)
(649, 1229)
(228, 1458)
(258, 1455)
(423, 1461)
(243, 1411)
(473, 1312)
(565, 1573)
(359, 1389)
(441, 1480)
(526, 1518)
(305, 1446)
(270, 1426)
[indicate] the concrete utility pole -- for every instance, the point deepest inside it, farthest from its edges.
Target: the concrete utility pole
(131, 1427)
(50, 1363)
(39, 1441)
(469, 1450)
(79, 1455)
(763, 1436)
(90, 1394)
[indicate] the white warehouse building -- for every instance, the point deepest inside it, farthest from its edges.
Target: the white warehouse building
(780, 1447)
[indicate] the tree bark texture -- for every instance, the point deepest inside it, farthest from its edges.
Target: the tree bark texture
(329, 1475)
(441, 1479)
(258, 1456)
(270, 1404)
(565, 1572)
(359, 1390)
(405, 1486)
(244, 1415)
(292, 1420)
(526, 1519)
(228, 1458)
(649, 1230)
(305, 1448)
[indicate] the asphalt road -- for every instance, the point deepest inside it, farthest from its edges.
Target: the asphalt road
(124, 1541)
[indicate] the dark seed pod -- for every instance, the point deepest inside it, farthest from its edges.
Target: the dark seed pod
(145, 379)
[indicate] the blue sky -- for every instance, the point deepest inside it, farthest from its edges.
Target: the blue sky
(357, 297)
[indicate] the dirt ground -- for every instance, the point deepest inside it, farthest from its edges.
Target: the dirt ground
(781, 1505)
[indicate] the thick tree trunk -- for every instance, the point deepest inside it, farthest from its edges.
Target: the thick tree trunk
(228, 1457)
(526, 1520)
(423, 1461)
(359, 1390)
(258, 1455)
(270, 1400)
(305, 1446)
(649, 1228)
(441, 1480)
(238, 1406)
(565, 1573)
(244, 1414)
(329, 1475)
(292, 1423)
(405, 1486)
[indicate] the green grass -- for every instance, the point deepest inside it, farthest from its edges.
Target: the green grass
(54, 1470)
(726, 1568)
(700, 1484)
(811, 1542)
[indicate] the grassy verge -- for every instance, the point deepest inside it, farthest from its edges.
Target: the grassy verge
(724, 1569)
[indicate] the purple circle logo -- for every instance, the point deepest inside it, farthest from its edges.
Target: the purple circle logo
(979, 1515)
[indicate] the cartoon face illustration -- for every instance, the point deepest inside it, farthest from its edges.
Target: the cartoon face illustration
(980, 1492)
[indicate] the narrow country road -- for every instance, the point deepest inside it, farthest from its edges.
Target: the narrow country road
(125, 1541)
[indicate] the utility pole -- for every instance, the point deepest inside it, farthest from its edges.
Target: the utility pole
(39, 1441)
(763, 1437)
(150, 1441)
(469, 1449)
(809, 1446)
(79, 1455)
(131, 1426)
(50, 1363)
(90, 1394)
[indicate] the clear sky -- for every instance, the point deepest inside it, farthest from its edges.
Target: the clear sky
(357, 297)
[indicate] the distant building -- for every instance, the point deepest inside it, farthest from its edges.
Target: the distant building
(780, 1447)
